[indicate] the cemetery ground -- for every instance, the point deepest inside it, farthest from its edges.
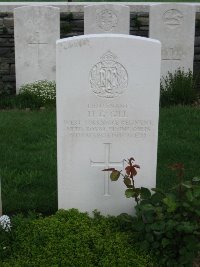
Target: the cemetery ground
(107, 106)
(29, 185)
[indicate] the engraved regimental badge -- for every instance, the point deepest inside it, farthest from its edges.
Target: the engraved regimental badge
(172, 18)
(108, 78)
(106, 20)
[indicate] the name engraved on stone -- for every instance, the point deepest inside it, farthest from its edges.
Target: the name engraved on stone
(35, 42)
(106, 20)
(76, 43)
(173, 18)
(105, 165)
(101, 113)
(108, 78)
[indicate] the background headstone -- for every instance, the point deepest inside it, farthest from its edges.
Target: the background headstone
(106, 18)
(174, 26)
(37, 28)
(108, 114)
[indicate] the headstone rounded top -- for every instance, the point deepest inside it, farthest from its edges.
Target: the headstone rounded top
(107, 35)
(106, 18)
(107, 5)
(35, 7)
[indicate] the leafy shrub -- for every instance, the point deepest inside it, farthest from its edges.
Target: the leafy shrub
(178, 88)
(39, 92)
(168, 224)
(71, 238)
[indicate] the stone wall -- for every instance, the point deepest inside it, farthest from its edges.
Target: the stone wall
(7, 54)
(71, 24)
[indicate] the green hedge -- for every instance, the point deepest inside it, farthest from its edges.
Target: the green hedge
(72, 239)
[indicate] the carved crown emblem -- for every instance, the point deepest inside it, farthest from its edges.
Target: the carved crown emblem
(172, 18)
(106, 20)
(108, 78)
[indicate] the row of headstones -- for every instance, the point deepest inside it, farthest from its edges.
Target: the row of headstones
(38, 28)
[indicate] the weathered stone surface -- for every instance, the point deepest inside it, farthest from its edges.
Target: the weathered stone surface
(197, 50)
(197, 57)
(9, 78)
(144, 21)
(10, 31)
(12, 69)
(6, 45)
(197, 15)
(78, 16)
(4, 51)
(4, 40)
(197, 41)
(140, 33)
(106, 18)
(4, 66)
(36, 30)
(10, 59)
(102, 112)
(8, 22)
(174, 26)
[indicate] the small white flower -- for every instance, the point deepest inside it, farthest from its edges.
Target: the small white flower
(46, 90)
(5, 223)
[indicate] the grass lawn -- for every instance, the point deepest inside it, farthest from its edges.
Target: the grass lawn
(28, 155)
(28, 161)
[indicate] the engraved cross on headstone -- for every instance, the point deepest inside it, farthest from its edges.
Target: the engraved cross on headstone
(36, 42)
(106, 164)
(171, 58)
(171, 65)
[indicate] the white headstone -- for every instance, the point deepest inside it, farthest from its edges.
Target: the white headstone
(174, 26)
(106, 18)
(37, 28)
(107, 111)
